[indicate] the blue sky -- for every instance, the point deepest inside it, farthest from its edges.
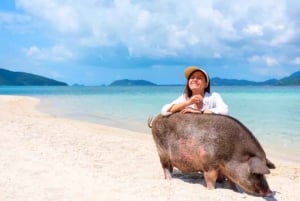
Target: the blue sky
(95, 42)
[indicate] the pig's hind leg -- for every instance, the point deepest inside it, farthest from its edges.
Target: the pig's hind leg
(167, 166)
(167, 174)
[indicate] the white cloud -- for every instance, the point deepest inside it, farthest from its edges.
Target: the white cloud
(296, 61)
(59, 14)
(145, 28)
(55, 53)
(33, 51)
(268, 60)
(254, 29)
(286, 35)
(166, 28)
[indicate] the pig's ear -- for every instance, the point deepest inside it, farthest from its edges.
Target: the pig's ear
(270, 164)
(257, 166)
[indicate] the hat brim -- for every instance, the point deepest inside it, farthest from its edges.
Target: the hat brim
(189, 70)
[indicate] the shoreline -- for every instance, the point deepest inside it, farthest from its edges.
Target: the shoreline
(273, 148)
(52, 158)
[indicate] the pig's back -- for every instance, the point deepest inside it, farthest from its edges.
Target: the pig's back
(209, 131)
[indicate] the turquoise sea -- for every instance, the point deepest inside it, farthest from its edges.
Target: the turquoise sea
(271, 113)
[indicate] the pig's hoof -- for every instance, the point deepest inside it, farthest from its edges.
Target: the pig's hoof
(210, 186)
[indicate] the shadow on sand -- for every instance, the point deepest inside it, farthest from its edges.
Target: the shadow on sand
(198, 178)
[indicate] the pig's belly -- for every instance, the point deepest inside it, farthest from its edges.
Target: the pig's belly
(186, 164)
(187, 157)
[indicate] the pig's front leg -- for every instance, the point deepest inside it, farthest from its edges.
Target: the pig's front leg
(210, 177)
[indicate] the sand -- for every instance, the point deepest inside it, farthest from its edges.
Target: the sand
(48, 158)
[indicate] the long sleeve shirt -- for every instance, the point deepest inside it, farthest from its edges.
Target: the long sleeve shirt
(211, 101)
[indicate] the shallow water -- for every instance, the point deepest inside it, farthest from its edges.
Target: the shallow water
(271, 113)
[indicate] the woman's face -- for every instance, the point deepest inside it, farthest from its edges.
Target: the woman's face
(197, 82)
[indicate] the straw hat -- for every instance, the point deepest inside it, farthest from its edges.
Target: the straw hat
(189, 70)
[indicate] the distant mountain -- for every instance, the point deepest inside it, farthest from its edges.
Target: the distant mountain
(126, 82)
(10, 78)
(230, 82)
(293, 79)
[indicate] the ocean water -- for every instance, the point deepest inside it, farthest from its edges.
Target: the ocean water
(271, 113)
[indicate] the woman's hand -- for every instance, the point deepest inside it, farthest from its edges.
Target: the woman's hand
(207, 112)
(189, 110)
(181, 107)
(196, 99)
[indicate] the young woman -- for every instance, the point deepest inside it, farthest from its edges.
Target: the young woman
(197, 97)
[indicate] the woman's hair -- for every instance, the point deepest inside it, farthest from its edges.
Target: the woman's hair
(188, 91)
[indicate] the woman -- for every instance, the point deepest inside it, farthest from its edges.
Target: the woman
(196, 97)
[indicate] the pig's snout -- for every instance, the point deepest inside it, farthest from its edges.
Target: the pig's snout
(268, 193)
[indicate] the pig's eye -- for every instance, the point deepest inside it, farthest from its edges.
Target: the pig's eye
(246, 157)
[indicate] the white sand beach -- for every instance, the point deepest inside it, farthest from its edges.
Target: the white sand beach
(48, 158)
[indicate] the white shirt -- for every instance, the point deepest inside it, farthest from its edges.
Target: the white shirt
(211, 101)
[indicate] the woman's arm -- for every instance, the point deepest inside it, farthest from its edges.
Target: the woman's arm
(175, 106)
(181, 105)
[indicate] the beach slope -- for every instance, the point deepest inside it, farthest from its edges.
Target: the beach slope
(47, 158)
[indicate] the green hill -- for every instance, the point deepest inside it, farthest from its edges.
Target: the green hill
(293, 79)
(126, 82)
(10, 78)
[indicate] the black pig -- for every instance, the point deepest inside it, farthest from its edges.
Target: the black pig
(213, 144)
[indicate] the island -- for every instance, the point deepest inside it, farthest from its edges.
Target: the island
(127, 82)
(292, 80)
(10, 78)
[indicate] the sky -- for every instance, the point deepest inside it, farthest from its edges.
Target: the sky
(95, 42)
